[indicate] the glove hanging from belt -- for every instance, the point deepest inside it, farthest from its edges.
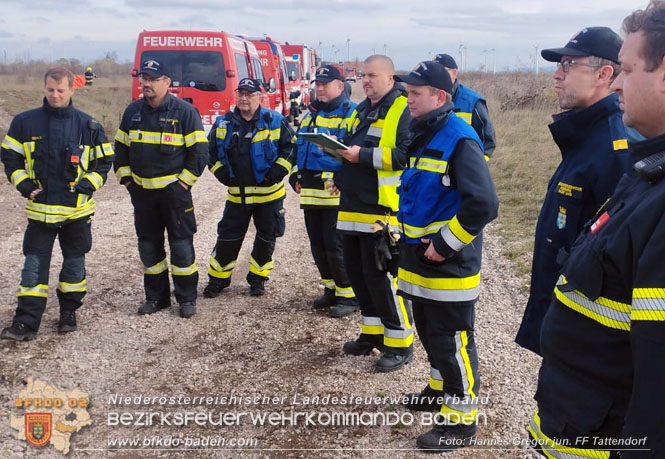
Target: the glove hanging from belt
(386, 248)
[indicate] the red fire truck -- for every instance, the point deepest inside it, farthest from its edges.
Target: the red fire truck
(301, 63)
(205, 67)
(274, 67)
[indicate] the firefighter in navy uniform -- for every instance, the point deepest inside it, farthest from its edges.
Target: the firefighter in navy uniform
(470, 106)
(161, 152)
(378, 139)
(250, 151)
(89, 76)
(446, 198)
(600, 387)
(57, 157)
(594, 156)
(311, 177)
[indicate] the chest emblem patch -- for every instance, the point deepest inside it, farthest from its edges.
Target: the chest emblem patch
(561, 218)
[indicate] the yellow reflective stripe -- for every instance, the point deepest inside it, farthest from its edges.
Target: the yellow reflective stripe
(468, 384)
(459, 232)
(220, 132)
(294, 169)
(256, 189)
(184, 271)
(416, 232)
(328, 283)
(12, 144)
(284, 163)
(397, 341)
(216, 270)
(257, 194)
(18, 176)
(66, 287)
(606, 312)
(371, 326)
(355, 221)
(156, 269)
(648, 304)
(122, 137)
(621, 144)
(466, 116)
(455, 416)
(94, 178)
(153, 183)
(554, 450)
(265, 134)
(440, 283)
(40, 290)
(262, 271)
(327, 175)
(103, 150)
(155, 138)
(344, 292)
(435, 379)
(432, 165)
(55, 214)
(216, 166)
(122, 172)
(194, 137)
(330, 123)
(187, 177)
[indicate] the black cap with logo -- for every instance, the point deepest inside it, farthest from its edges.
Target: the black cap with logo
(428, 73)
(249, 85)
(328, 73)
(591, 41)
(153, 68)
(446, 60)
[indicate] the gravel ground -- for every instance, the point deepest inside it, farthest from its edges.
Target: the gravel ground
(274, 345)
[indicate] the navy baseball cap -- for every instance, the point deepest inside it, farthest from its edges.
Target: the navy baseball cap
(446, 60)
(328, 73)
(428, 73)
(153, 68)
(591, 41)
(249, 85)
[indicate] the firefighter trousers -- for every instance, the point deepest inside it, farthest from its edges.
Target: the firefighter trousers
(326, 244)
(386, 318)
(446, 331)
(75, 241)
(167, 209)
(269, 223)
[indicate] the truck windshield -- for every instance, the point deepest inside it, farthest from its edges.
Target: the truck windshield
(293, 67)
(202, 70)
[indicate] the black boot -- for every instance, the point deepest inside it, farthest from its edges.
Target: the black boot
(150, 307)
(426, 400)
(67, 322)
(215, 287)
(391, 361)
(362, 345)
(446, 438)
(326, 300)
(18, 332)
(188, 309)
(256, 284)
(344, 307)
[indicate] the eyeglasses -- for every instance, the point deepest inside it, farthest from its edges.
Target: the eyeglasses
(565, 64)
(150, 79)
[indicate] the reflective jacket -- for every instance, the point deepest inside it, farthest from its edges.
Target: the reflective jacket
(446, 195)
(314, 169)
(603, 338)
(159, 146)
(63, 151)
(261, 148)
(594, 157)
(472, 107)
(369, 187)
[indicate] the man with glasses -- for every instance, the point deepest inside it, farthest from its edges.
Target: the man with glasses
(161, 152)
(250, 151)
(592, 140)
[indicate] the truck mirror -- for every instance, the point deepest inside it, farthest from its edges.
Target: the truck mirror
(292, 75)
(272, 85)
(135, 72)
(307, 76)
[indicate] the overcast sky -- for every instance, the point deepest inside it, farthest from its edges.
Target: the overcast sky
(87, 29)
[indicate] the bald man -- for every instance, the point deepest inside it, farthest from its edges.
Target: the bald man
(378, 139)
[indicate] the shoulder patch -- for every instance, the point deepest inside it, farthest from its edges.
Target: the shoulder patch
(620, 144)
